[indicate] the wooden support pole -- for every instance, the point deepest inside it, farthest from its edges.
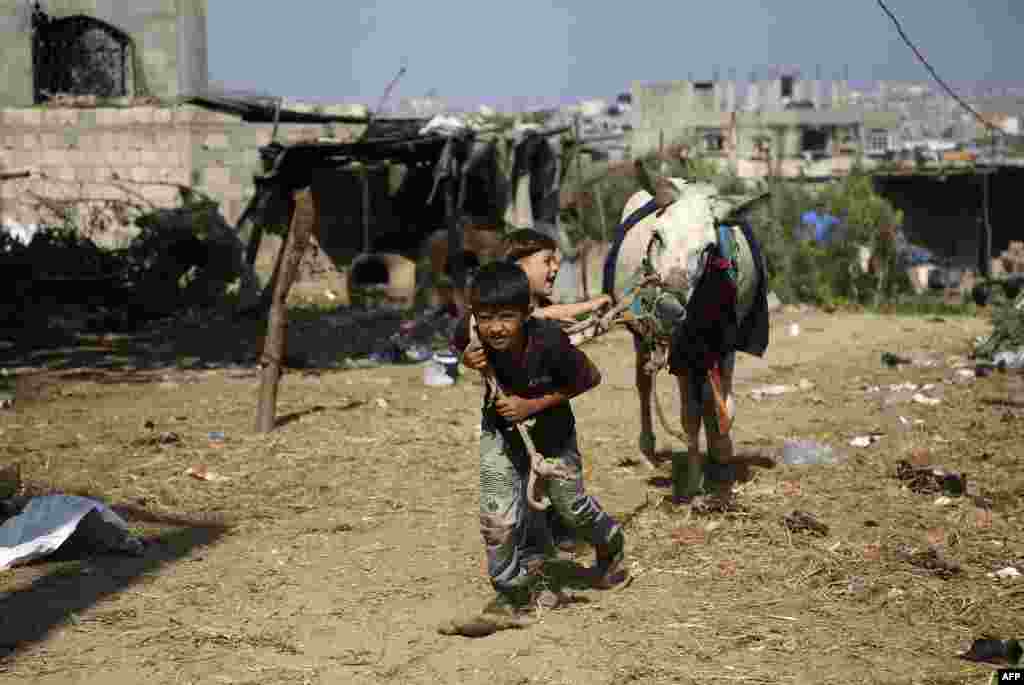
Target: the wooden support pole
(453, 215)
(986, 242)
(364, 179)
(304, 218)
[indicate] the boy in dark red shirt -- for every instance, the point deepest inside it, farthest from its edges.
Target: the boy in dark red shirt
(539, 371)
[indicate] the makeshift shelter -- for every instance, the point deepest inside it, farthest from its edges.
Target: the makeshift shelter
(449, 173)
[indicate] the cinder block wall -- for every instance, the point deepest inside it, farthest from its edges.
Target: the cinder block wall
(133, 154)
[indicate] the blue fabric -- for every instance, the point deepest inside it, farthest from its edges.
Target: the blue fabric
(822, 223)
(608, 286)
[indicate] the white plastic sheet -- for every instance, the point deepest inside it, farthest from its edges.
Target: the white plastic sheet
(47, 522)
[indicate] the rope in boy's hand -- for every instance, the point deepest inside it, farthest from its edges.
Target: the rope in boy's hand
(539, 468)
(604, 322)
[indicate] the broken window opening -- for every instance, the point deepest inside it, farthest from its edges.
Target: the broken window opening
(703, 86)
(79, 55)
(787, 86)
(714, 141)
(814, 140)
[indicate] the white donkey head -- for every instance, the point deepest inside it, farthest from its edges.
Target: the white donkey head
(674, 238)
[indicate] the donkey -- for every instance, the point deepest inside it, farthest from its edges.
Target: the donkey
(674, 230)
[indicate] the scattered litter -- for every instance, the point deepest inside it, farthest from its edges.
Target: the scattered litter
(793, 330)
(805, 384)
(727, 568)
(966, 374)
(943, 501)
(924, 399)
(866, 440)
(927, 479)
(165, 438)
(856, 586)
(790, 488)
(771, 390)
(930, 560)
(216, 436)
(47, 522)
(991, 651)
(6, 401)
(1009, 359)
(803, 452)
(911, 422)
(435, 375)
(801, 520)
(895, 593)
(203, 473)
(1007, 573)
(381, 403)
(892, 360)
(872, 552)
(895, 387)
(688, 535)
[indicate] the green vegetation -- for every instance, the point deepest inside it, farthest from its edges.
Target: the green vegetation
(799, 271)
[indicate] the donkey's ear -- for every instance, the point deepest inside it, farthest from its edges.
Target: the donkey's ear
(665, 192)
(732, 207)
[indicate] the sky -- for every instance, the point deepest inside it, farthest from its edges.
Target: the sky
(505, 53)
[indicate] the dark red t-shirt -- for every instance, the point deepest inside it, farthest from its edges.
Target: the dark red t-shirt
(550, 363)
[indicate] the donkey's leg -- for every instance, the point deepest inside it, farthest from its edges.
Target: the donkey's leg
(690, 415)
(644, 384)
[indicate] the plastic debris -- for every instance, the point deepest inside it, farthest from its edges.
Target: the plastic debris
(203, 473)
(47, 522)
(928, 479)
(434, 375)
(929, 560)
(924, 399)
(771, 391)
(865, 440)
(803, 452)
(892, 360)
(1007, 573)
(991, 651)
(1009, 359)
(801, 520)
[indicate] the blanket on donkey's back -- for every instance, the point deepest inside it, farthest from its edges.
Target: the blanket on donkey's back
(711, 328)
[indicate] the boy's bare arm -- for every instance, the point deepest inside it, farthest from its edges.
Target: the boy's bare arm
(571, 311)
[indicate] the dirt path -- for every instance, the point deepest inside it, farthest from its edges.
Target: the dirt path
(343, 539)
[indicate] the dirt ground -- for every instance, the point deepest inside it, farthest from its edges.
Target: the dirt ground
(341, 540)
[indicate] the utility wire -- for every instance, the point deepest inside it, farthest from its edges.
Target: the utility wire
(934, 74)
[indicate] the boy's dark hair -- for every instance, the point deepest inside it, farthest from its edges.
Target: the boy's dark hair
(525, 242)
(470, 264)
(500, 284)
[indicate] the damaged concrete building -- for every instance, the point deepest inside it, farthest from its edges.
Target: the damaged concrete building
(783, 126)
